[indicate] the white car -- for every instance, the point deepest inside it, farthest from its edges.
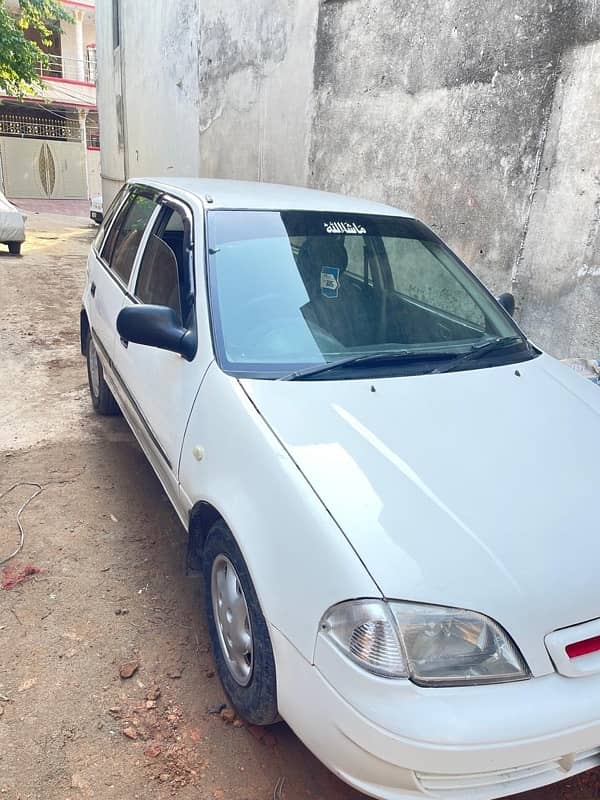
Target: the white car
(96, 209)
(387, 486)
(12, 226)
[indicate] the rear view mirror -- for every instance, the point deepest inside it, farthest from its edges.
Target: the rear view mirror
(507, 301)
(156, 326)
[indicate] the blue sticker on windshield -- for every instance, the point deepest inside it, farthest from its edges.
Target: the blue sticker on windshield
(330, 281)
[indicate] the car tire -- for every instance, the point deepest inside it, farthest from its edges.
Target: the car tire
(14, 248)
(102, 399)
(249, 680)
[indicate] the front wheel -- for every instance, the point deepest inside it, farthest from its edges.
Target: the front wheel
(238, 631)
(102, 399)
(14, 248)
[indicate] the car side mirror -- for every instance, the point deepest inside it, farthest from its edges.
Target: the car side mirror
(156, 326)
(507, 301)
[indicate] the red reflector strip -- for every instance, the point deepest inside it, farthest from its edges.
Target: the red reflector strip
(583, 648)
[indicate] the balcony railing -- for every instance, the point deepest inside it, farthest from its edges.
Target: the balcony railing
(70, 69)
(28, 126)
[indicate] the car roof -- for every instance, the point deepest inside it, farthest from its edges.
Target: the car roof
(226, 194)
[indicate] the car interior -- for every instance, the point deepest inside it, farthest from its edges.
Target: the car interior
(369, 309)
(162, 267)
(341, 297)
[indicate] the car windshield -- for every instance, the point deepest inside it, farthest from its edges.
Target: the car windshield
(293, 290)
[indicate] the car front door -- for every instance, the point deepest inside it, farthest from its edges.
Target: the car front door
(110, 267)
(161, 385)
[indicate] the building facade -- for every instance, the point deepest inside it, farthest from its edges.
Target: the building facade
(49, 141)
(482, 118)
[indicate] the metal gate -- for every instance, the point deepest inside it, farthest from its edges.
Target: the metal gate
(38, 168)
(42, 159)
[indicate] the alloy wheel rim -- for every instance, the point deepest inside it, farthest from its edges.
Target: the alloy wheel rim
(94, 369)
(232, 619)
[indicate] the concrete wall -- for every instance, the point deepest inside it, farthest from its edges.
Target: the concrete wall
(256, 75)
(162, 132)
(558, 274)
(68, 42)
(148, 91)
(481, 117)
(109, 99)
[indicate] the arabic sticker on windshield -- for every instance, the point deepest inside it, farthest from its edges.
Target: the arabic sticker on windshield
(330, 281)
(344, 227)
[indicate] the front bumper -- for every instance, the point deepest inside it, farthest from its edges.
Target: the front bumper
(395, 741)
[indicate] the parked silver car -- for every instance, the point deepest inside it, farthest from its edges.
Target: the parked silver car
(12, 226)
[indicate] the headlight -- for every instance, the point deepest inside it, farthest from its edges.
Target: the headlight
(431, 645)
(365, 631)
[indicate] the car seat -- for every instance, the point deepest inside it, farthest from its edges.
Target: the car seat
(337, 303)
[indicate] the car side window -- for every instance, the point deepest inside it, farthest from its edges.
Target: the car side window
(162, 268)
(124, 239)
(108, 218)
(109, 239)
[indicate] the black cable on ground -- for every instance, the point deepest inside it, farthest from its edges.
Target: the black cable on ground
(19, 512)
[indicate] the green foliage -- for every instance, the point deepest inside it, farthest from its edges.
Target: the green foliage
(20, 58)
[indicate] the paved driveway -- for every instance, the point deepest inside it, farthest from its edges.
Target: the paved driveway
(71, 208)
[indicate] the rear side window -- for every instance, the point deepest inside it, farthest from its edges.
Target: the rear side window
(123, 241)
(162, 266)
(108, 217)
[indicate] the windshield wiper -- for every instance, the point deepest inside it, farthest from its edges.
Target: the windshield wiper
(407, 356)
(367, 358)
(479, 350)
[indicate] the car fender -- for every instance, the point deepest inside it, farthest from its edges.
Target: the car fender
(299, 560)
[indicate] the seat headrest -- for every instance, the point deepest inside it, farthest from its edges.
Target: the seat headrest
(326, 251)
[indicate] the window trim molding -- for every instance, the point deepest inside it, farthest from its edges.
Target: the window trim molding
(135, 270)
(135, 190)
(181, 207)
(110, 217)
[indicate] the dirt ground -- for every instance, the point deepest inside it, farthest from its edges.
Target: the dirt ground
(111, 590)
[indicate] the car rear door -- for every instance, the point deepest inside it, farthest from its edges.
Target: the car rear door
(110, 267)
(160, 386)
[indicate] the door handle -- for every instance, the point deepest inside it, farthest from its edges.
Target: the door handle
(93, 289)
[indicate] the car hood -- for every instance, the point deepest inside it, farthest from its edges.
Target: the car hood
(474, 489)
